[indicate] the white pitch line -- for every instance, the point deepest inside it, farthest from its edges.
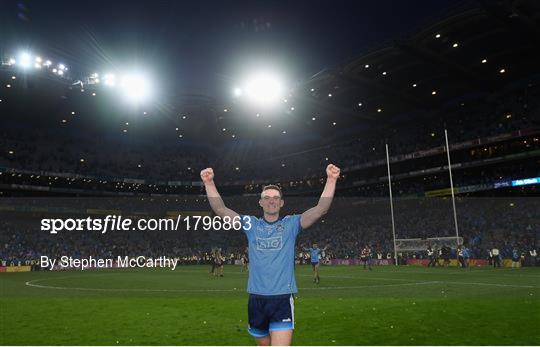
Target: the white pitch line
(325, 276)
(376, 285)
(33, 284)
(30, 284)
(491, 284)
(475, 272)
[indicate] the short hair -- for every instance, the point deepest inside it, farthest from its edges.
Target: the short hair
(272, 186)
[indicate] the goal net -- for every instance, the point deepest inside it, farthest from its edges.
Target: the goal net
(419, 244)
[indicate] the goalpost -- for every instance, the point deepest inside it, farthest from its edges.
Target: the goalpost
(421, 244)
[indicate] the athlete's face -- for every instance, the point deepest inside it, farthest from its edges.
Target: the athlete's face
(271, 201)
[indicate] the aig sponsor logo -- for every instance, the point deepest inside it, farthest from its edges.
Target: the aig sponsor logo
(269, 244)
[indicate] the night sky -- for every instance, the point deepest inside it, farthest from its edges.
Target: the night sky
(203, 46)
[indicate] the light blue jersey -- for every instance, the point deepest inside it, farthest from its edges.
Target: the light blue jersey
(271, 254)
(314, 254)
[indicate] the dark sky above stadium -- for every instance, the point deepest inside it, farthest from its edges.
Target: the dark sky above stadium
(201, 46)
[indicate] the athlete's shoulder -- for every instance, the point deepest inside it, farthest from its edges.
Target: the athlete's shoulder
(292, 217)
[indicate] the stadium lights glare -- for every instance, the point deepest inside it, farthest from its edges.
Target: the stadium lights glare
(263, 89)
(24, 60)
(12, 61)
(237, 92)
(109, 80)
(135, 87)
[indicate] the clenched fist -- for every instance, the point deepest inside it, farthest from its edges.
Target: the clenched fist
(332, 171)
(207, 175)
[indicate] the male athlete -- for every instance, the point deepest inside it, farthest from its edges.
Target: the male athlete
(365, 257)
(271, 242)
(218, 263)
(245, 261)
(314, 257)
(431, 256)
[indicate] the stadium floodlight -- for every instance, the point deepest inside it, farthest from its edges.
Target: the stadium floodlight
(109, 80)
(24, 60)
(60, 72)
(12, 61)
(94, 78)
(38, 60)
(263, 89)
(47, 63)
(135, 87)
(237, 92)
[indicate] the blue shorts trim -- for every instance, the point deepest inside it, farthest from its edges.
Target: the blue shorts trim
(276, 326)
(257, 332)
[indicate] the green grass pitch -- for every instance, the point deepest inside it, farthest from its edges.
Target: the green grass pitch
(351, 306)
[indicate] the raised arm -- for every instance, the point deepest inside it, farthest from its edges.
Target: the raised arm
(215, 200)
(312, 215)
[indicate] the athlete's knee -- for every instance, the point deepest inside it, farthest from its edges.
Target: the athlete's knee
(263, 341)
(281, 337)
